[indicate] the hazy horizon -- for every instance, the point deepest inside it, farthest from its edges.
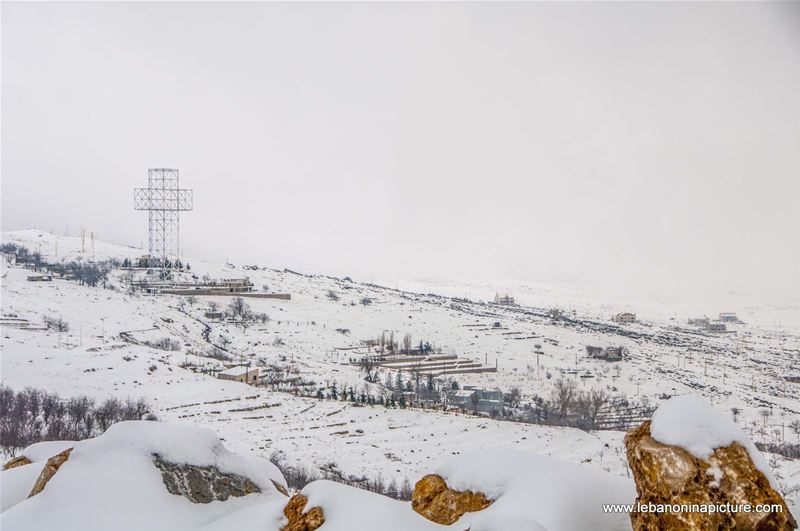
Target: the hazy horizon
(650, 146)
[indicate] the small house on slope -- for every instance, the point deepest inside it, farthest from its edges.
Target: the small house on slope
(248, 375)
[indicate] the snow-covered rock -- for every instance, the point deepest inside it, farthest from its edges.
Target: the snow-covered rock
(530, 493)
(691, 455)
(536, 491)
(346, 508)
(434, 500)
(112, 482)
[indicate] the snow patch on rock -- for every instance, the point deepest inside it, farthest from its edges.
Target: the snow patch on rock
(111, 482)
(693, 424)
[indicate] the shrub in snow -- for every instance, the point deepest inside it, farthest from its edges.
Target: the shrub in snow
(165, 343)
(56, 323)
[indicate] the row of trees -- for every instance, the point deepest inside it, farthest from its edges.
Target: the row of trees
(34, 415)
(164, 343)
(86, 273)
(57, 323)
(566, 405)
(572, 406)
(386, 343)
(239, 310)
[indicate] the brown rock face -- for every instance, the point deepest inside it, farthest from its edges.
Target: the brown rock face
(50, 468)
(298, 521)
(434, 500)
(15, 462)
(670, 475)
(202, 484)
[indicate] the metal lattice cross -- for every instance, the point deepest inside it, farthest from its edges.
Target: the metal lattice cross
(164, 200)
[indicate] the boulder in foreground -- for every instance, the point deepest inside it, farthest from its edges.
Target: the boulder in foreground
(689, 454)
(299, 518)
(144, 475)
(16, 461)
(434, 500)
(50, 468)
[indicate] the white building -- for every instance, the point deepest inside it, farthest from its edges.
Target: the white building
(248, 375)
(624, 318)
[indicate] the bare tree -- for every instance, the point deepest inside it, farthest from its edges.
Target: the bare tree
(407, 343)
(562, 396)
(238, 307)
(370, 369)
(513, 397)
(56, 323)
(795, 427)
(107, 413)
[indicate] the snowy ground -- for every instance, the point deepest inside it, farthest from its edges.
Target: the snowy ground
(745, 369)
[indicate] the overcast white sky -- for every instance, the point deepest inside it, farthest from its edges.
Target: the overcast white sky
(635, 143)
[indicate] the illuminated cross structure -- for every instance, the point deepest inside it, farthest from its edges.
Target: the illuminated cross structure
(164, 201)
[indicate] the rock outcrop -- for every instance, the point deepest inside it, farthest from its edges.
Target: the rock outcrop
(202, 484)
(666, 474)
(16, 461)
(298, 520)
(50, 468)
(434, 500)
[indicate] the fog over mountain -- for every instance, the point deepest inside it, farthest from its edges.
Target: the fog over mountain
(636, 145)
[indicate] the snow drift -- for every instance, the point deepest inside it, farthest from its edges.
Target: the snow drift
(112, 482)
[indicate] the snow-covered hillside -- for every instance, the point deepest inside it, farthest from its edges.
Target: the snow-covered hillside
(314, 336)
